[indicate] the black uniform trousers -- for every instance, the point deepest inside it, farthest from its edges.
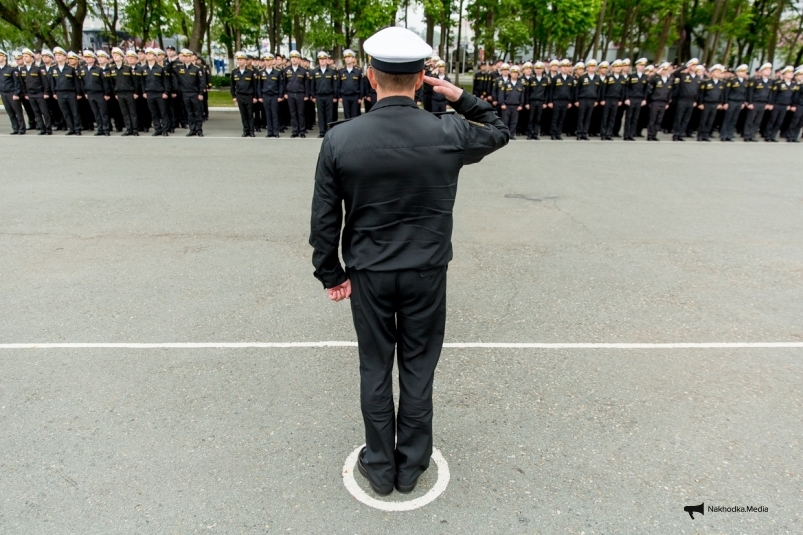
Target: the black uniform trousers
(657, 111)
(42, 112)
(351, 107)
(128, 109)
(584, 112)
(14, 111)
(509, 116)
(632, 118)
(56, 118)
(29, 111)
(158, 108)
(325, 105)
(534, 121)
(439, 106)
(271, 104)
(608, 118)
(100, 110)
(403, 311)
(194, 111)
(143, 114)
(115, 114)
(777, 115)
(683, 112)
(706, 125)
(246, 105)
(69, 109)
(793, 131)
(559, 108)
(753, 120)
(297, 121)
(729, 122)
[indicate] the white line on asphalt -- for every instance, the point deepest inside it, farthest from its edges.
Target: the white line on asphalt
(448, 345)
(436, 490)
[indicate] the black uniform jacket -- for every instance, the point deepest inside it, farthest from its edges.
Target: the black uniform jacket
(10, 80)
(324, 84)
(270, 84)
(243, 83)
(35, 81)
(188, 78)
(65, 79)
(95, 81)
(736, 90)
(396, 171)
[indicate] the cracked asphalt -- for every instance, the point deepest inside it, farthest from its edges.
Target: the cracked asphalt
(205, 240)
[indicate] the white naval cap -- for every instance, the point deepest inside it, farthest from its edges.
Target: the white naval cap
(504, 67)
(240, 55)
(397, 50)
(59, 50)
(185, 52)
(788, 68)
(554, 63)
(102, 54)
(159, 52)
(626, 61)
(539, 64)
(767, 65)
(649, 67)
(641, 61)
(73, 55)
(118, 50)
(799, 70)
(349, 53)
(742, 67)
(48, 53)
(591, 63)
(692, 61)
(665, 65)
(131, 53)
(322, 55)
(565, 63)
(527, 65)
(295, 54)
(580, 65)
(268, 56)
(27, 51)
(89, 54)
(604, 64)
(716, 67)
(3, 53)
(617, 63)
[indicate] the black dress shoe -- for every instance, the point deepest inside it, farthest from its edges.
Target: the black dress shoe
(244, 135)
(406, 489)
(321, 135)
(294, 135)
(277, 135)
(190, 134)
(15, 133)
(42, 134)
(124, 134)
(268, 135)
(136, 134)
(156, 134)
(199, 134)
(303, 135)
(78, 133)
(98, 133)
(379, 490)
(251, 134)
(165, 134)
(70, 134)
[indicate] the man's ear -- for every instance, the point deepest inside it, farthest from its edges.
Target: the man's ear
(419, 81)
(371, 78)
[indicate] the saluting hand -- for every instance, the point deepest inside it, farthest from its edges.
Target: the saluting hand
(340, 292)
(442, 87)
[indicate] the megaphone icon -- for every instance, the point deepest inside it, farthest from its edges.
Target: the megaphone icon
(691, 509)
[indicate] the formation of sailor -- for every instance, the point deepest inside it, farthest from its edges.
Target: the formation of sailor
(601, 99)
(134, 91)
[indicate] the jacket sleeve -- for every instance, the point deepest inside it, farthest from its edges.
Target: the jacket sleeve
(326, 221)
(307, 84)
(483, 131)
(79, 85)
(16, 81)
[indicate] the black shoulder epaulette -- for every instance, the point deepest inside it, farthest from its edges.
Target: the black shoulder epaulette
(335, 123)
(439, 113)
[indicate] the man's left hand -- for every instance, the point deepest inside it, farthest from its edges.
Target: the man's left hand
(340, 292)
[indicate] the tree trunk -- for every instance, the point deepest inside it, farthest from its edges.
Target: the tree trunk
(776, 23)
(430, 29)
(198, 25)
(620, 52)
(598, 31)
(659, 49)
(489, 35)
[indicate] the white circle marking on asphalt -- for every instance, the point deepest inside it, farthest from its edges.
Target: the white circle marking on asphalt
(362, 496)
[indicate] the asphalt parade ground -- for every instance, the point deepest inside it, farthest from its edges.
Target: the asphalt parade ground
(644, 246)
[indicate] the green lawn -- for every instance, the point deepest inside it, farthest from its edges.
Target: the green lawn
(219, 98)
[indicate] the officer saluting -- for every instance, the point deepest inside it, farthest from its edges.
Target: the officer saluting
(395, 170)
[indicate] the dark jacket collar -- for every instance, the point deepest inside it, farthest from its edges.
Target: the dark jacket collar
(394, 101)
